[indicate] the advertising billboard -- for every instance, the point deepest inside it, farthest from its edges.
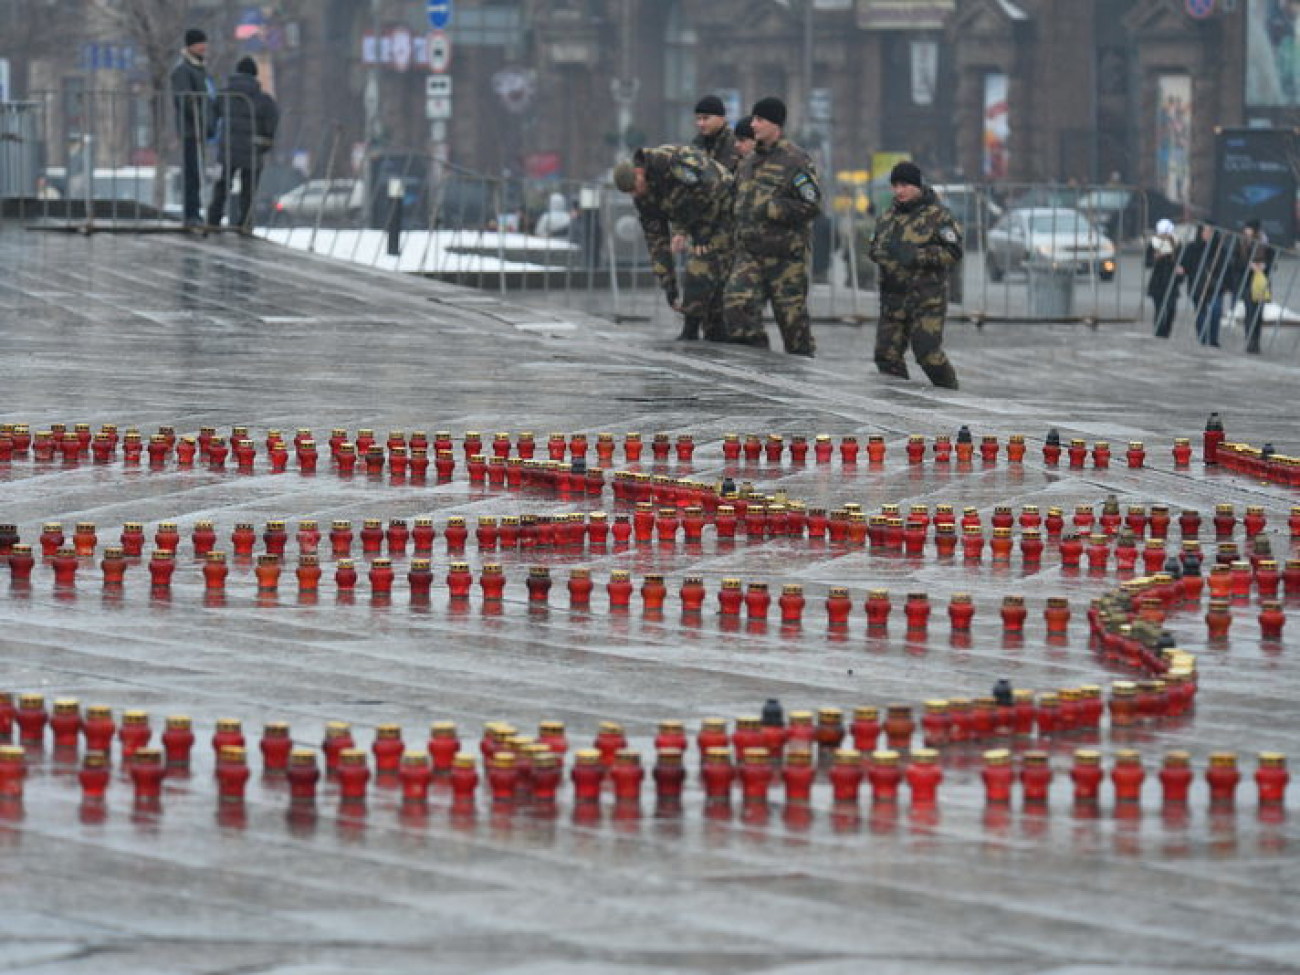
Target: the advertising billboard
(1272, 53)
(1254, 178)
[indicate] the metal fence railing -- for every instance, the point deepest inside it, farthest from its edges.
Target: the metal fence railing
(1034, 253)
(1227, 289)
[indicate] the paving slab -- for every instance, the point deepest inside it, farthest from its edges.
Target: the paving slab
(149, 331)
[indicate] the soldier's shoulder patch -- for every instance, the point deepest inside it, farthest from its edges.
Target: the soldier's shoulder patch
(686, 173)
(949, 235)
(806, 187)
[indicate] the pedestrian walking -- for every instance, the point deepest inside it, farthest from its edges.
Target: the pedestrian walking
(682, 193)
(192, 93)
(1167, 272)
(714, 135)
(1205, 266)
(777, 198)
(916, 243)
(247, 118)
(1254, 259)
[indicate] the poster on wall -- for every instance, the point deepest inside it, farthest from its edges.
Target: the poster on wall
(1174, 136)
(997, 127)
(1273, 53)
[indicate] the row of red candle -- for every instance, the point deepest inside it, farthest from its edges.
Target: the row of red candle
(646, 525)
(756, 599)
(954, 721)
(16, 438)
(1260, 463)
(512, 777)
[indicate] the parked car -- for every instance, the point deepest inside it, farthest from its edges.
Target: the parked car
(972, 208)
(331, 201)
(128, 185)
(1053, 235)
(1126, 214)
(276, 180)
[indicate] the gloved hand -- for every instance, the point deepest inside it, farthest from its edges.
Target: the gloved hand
(674, 298)
(902, 253)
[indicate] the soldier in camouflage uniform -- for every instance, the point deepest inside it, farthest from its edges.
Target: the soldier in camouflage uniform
(915, 244)
(715, 135)
(777, 197)
(744, 138)
(679, 188)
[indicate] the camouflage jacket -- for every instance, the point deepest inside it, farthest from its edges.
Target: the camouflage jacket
(915, 243)
(721, 147)
(777, 199)
(687, 192)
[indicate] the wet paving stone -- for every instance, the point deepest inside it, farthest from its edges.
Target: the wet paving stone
(150, 331)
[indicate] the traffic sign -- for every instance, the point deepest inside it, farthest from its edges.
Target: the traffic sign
(437, 107)
(437, 86)
(439, 14)
(1199, 9)
(401, 45)
(439, 51)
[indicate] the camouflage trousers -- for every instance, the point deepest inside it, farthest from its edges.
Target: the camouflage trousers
(703, 282)
(915, 317)
(753, 283)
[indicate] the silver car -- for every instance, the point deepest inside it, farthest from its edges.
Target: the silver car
(1054, 236)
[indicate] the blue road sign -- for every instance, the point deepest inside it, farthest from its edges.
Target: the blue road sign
(1200, 9)
(439, 14)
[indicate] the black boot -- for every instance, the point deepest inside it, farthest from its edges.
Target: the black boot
(889, 368)
(758, 340)
(943, 375)
(690, 330)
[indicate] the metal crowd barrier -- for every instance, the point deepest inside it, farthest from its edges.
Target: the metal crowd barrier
(1211, 304)
(84, 160)
(74, 160)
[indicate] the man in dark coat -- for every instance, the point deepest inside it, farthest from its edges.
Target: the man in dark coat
(192, 94)
(248, 118)
(1167, 272)
(1205, 266)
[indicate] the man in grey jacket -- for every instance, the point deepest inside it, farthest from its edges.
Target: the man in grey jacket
(192, 92)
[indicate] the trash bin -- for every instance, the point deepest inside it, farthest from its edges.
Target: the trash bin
(1051, 289)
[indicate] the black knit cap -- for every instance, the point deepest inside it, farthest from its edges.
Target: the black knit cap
(745, 128)
(710, 105)
(194, 36)
(770, 108)
(246, 66)
(905, 172)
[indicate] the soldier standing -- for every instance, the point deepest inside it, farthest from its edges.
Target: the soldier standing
(680, 188)
(744, 138)
(777, 198)
(715, 136)
(915, 244)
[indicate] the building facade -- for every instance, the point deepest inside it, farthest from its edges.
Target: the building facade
(1014, 90)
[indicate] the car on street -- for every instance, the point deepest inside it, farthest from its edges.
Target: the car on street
(331, 201)
(1055, 236)
(1123, 213)
(973, 209)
